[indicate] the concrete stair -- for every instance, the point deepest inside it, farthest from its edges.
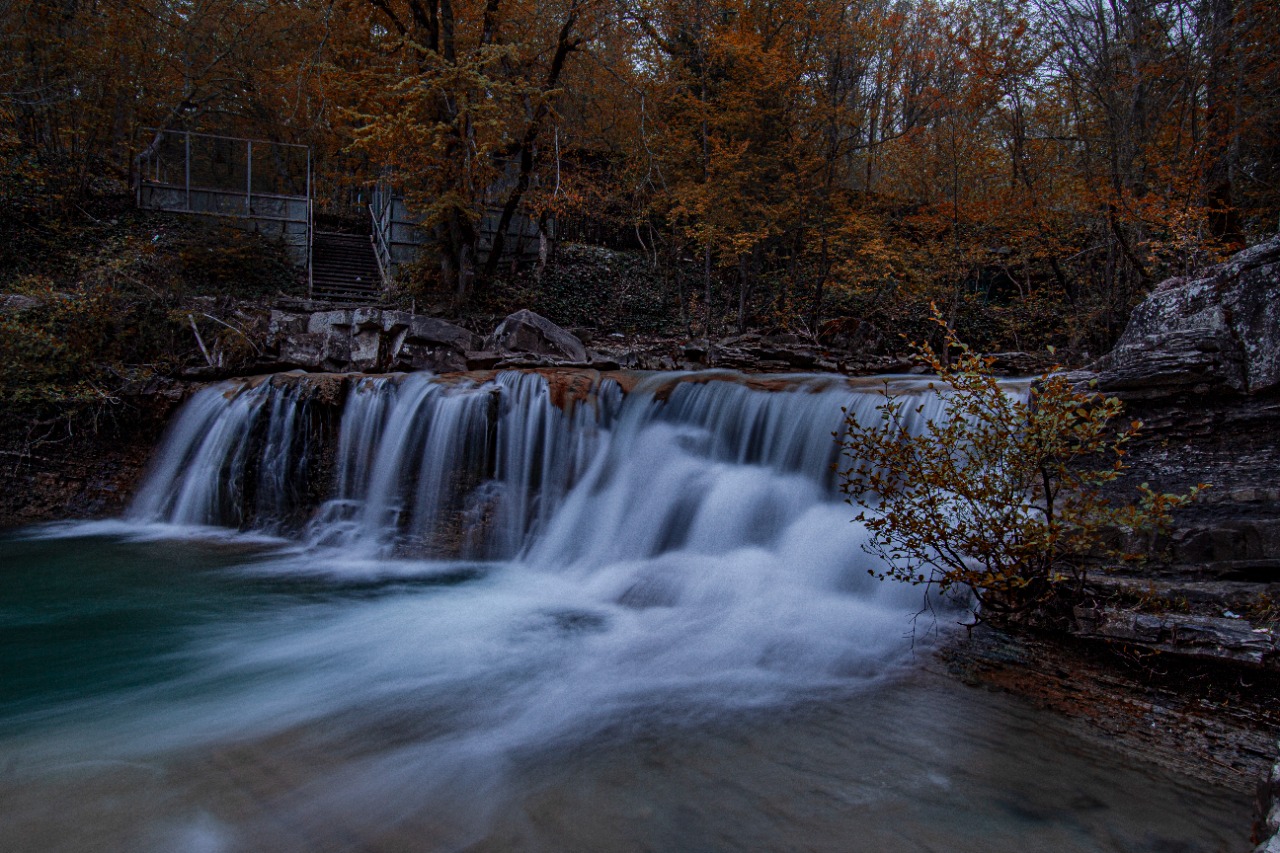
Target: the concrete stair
(344, 269)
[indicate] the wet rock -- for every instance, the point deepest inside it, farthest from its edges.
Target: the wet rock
(305, 350)
(366, 340)
(528, 333)
(1235, 540)
(600, 361)
(282, 323)
(751, 352)
(328, 389)
(1205, 597)
(570, 387)
(1193, 636)
(13, 303)
(697, 351)
(1021, 363)
(1267, 828)
(482, 359)
(1216, 331)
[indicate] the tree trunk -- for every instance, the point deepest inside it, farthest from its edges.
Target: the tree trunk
(565, 45)
(1221, 123)
(706, 282)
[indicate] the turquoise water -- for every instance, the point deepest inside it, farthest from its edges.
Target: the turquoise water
(183, 691)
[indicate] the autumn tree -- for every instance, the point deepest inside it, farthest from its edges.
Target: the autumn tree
(454, 100)
(82, 79)
(796, 163)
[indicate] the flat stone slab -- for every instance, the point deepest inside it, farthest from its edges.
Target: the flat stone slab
(1174, 633)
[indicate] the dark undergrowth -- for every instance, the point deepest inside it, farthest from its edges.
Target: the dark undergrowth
(99, 295)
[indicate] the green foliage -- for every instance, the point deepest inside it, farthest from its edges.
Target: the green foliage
(116, 297)
(999, 495)
(67, 350)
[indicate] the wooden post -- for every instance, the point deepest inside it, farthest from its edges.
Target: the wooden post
(187, 174)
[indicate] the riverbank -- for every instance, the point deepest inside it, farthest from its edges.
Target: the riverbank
(1206, 721)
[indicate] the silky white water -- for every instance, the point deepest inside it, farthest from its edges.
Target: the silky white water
(498, 599)
(689, 548)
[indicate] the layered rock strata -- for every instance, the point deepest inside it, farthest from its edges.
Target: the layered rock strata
(1199, 365)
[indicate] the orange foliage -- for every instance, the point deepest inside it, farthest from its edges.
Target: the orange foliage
(794, 152)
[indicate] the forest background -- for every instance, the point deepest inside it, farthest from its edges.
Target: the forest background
(820, 167)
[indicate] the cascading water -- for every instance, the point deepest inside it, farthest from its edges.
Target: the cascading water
(237, 454)
(524, 616)
(460, 467)
(695, 516)
(483, 470)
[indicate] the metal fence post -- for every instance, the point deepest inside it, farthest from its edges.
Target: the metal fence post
(187, 179)
(311, 223)
(248, 185)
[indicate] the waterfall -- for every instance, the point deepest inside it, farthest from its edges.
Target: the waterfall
(685, 533)
(235, 456)
(502, 562)
(500, 468)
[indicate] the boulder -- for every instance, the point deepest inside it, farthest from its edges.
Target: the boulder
(1216, 331)
(530, 333)
(306, 350)
(440, 333)
(482, 359)
(1267, 828)
(282, 323)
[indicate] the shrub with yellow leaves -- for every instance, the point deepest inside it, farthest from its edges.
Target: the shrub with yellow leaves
(1005, 495)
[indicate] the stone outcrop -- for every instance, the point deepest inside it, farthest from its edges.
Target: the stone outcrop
(376, 340)
(1199, 365)
(1267, 831)
(13, 303)
(1216, 331)
(752, 352)
(314, 337)
(1184, 634)
(366, 340)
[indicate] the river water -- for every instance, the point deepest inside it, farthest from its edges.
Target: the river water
(664, 637)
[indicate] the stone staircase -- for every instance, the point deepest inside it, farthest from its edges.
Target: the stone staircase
(344, 269)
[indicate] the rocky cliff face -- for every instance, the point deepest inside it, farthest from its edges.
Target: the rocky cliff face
(1199, 364)
(1180, 663)
(1215, 333)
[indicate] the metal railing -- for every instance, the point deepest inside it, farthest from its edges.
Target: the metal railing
(381, 208)
(311, 245)
(397, 239)
(256, 181)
